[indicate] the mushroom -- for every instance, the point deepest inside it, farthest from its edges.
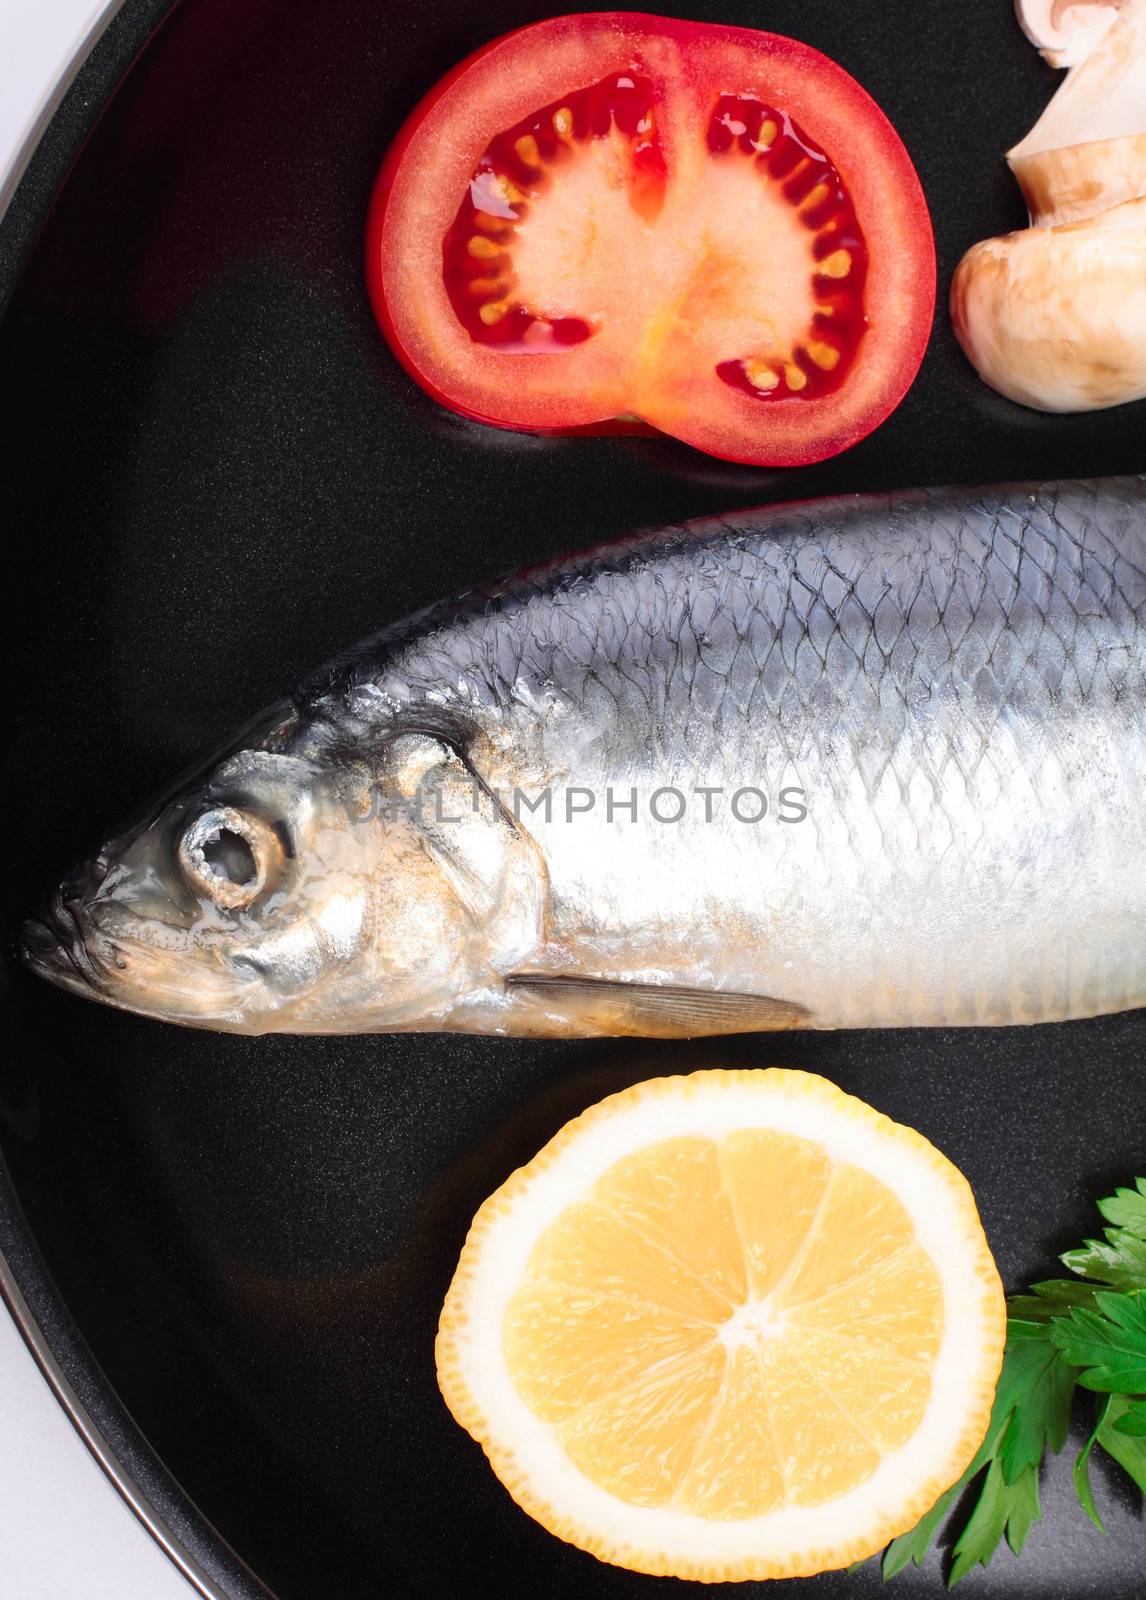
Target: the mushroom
(1088, 149)
(1066, 31)
(1055, 316)
(1102, 97)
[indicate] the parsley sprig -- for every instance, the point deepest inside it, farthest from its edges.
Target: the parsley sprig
(1088, 1331)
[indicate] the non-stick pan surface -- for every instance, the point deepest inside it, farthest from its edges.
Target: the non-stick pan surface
(216, 477)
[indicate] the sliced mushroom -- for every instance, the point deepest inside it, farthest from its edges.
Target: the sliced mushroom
(1087, 151)
(1104, 97)
(1066, 31)
(1082, 179)
(1055, 318)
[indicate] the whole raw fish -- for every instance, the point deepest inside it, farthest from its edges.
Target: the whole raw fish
(863, 761)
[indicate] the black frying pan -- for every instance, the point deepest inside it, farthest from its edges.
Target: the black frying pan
(216, 477)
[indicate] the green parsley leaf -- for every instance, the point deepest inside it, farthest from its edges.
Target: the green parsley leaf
(1126, 1208)
(1040, 1414)
(1082, 1465)
(1062, 1334)
(1047, 1299)
(1002, 1507)
(1120, 1259)
(911, 1548)
(1109, 1343)
(1128, 1451)
(1133, 1419)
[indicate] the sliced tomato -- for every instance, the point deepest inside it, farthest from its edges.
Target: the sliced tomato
(618, 216)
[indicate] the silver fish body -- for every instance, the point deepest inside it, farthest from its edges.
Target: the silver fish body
(867, 761)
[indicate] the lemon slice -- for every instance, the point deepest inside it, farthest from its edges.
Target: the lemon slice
(731, 1325)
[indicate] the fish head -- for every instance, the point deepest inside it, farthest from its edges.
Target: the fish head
(296, 888)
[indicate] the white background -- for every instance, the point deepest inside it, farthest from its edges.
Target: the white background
(65, 1533)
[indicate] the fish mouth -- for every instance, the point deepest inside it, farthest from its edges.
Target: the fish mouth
(51, 940)
(63, 962)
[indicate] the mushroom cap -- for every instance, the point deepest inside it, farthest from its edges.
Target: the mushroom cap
(1055, 318)
(1066, 31)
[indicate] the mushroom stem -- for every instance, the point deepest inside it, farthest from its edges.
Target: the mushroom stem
(1082, 179)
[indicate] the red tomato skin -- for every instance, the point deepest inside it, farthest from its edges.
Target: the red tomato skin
(796, 453)
(375, 218)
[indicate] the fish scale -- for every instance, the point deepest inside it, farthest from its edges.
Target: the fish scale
(953, 683)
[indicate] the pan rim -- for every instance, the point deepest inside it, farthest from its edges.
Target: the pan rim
(34, 134)
(86, 83)
(129, 1490)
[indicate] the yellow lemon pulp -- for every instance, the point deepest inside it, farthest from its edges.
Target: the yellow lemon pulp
(728, 1325)
(733, 1325)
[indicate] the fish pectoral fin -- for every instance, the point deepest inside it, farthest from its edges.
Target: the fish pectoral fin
(654, 1010)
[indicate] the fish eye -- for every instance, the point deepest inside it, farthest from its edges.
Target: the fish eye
(228, 856)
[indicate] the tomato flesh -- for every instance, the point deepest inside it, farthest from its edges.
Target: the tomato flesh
(719, 234)
(513, 176)
(783, 154)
